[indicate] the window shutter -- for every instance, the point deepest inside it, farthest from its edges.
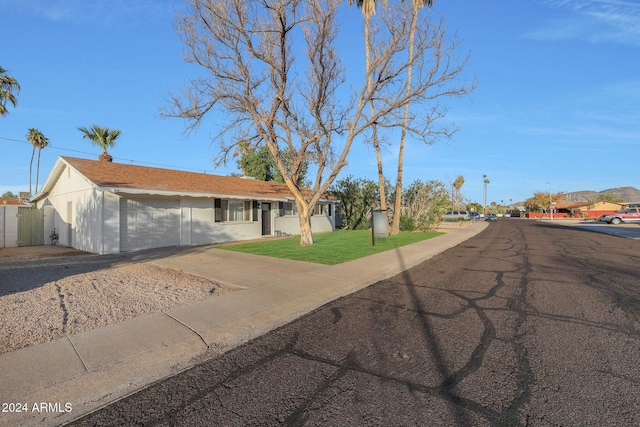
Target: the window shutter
(255, 210)
(330, 206)
(217, 207)
(281, 208)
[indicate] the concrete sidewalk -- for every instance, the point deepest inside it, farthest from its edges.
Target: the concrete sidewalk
(57, 382)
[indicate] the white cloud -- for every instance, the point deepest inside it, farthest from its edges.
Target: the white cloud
(95, 12)
(593, 20)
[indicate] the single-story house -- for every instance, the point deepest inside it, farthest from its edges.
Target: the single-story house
(106, 207)
(11, 201)
(589, 209)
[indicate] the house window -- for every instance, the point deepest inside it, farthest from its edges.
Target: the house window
(322, 209)
(290, 208)
(236, 210)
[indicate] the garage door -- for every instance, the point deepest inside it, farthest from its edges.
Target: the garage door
(149, 223)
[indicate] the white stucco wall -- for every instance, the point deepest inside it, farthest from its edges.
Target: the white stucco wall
(49, 217)
(198, 226)
(8, 226)
(199, 221)
(230, 231)
(185, 223)
(78, 211)
(290, 224)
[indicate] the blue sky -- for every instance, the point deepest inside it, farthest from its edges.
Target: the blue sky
(557, 101)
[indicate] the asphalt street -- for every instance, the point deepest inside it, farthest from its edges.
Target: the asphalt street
(631, 230)
(526, 324)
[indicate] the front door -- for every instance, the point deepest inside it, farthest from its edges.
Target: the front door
(266, 219)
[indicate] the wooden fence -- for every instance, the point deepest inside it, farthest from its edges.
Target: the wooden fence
(30, 227)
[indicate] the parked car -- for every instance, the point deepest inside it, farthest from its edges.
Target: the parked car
(453, 216)
(474, 216)
(515, 214)
(631, 215)
(492, 217)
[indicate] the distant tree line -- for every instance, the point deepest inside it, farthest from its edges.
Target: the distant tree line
(423, 203)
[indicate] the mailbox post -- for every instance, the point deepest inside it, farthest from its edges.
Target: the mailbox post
(380, 225)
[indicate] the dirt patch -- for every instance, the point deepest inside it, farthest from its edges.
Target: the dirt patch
(36, 252)
(49, 292)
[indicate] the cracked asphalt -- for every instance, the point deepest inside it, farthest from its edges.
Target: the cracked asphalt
(526, 324)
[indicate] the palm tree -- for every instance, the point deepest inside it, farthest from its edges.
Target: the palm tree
(368, 9)
(42, 142)
(8, 88)
(39, 141)
(103, 138)
(457, 184)
(417, 5)
(486, 182)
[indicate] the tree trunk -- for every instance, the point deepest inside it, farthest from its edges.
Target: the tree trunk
(306, 238)
(383, 197)
(33, 152)
(376, 144)
(38, 170)
(395, 227)
(105, 157)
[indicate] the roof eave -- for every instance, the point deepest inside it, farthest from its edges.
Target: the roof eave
(168, 193)
(57, 169)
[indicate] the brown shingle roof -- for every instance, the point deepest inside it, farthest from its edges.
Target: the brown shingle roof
(10, 201)
(122, 176)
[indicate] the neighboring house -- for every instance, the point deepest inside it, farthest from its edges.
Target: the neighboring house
(10, 208)
(106, 207)
(11, 201)
(589, 209)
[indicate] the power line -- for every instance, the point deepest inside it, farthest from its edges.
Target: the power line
(115, 158)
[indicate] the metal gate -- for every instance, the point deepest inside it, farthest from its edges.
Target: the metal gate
(30, 227)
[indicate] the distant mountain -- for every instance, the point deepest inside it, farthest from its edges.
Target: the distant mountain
(629, 194)
(579, 196)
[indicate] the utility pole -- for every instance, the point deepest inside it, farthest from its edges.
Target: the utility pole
(550, 208)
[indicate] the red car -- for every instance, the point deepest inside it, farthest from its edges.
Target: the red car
(624, 215)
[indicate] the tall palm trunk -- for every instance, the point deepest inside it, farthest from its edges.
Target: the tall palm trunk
(33, 152)
(376, 142)
(369, 9)
(38, 170)
(395, 228)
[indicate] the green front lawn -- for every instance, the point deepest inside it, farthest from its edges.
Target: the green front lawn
(330, 248)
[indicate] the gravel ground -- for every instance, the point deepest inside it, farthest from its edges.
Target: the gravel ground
(48, 292)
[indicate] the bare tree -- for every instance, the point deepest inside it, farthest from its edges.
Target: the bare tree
(272, 66)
